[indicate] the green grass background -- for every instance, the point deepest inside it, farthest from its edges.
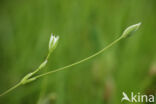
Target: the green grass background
(84, 27)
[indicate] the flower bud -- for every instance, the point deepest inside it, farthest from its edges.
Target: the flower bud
(53, 42)
(130, 30)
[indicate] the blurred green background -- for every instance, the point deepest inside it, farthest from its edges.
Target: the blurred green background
(84, 27)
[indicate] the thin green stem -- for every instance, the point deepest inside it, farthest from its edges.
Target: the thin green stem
(60, 69)
(12, 88)
(28, 78)
(81, 61)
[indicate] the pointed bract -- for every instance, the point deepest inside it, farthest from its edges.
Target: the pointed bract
(43, 64)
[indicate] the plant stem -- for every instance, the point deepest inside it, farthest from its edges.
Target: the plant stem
(12, 88)
(62, 68)
(81, 61)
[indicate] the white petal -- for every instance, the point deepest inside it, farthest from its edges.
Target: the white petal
(51, 39)
(56, 39)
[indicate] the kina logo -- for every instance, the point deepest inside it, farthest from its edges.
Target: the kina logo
(137, 98)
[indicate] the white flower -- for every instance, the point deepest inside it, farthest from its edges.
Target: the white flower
(53, 42)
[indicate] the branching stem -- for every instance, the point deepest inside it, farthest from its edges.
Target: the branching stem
(81, 61)
(52, 45)
(59, 69)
